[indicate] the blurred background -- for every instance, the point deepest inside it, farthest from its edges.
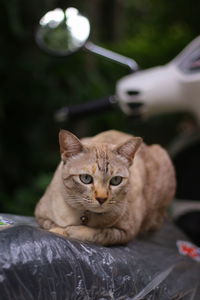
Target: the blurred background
(34, 85)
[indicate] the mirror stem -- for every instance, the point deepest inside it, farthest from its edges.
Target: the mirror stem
(133, 66)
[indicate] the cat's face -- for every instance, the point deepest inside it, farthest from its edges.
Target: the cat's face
(95, 176)
(95, 181)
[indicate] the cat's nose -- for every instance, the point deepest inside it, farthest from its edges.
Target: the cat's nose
(101, 200)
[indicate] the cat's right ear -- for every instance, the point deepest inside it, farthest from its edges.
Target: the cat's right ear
(69, 144)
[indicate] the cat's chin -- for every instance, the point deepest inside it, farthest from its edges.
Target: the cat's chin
(97, 210)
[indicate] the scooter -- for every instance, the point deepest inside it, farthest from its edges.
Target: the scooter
(169, 88)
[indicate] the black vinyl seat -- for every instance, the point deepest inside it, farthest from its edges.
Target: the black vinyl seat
(36, 264)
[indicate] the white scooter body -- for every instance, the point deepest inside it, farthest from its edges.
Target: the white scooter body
(172, 87)
(169, 88)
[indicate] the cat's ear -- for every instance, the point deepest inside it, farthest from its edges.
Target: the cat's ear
(69, 144)
(129, 148)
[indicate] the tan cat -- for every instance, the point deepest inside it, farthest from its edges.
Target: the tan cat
(107, 189)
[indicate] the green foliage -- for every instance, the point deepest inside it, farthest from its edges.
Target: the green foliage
(25, 196)
(34, 85)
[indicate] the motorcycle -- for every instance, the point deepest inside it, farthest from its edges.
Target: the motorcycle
(169, 88)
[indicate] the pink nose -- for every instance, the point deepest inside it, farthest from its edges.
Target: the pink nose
(101, 200)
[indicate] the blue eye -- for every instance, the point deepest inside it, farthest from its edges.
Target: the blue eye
(116, 180)
(86, 178)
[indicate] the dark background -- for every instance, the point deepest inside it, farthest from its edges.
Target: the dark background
(34, 85)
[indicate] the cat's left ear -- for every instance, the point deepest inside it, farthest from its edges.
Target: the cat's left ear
(129, 148)
(69, 144)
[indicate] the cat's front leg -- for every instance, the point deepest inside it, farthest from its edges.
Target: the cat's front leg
(59, 230)
(81, 232)
(106, 236)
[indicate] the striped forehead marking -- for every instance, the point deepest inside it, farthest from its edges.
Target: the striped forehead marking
(102, 160)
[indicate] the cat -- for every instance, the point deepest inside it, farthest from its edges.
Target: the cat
(107, 189)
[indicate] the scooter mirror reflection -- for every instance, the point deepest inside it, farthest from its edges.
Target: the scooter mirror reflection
(62, 32)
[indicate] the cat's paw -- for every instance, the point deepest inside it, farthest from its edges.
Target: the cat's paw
(82, 233)
(59, 230)
(46, 223)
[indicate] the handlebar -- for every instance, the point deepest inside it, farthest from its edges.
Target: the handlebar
(99, 105)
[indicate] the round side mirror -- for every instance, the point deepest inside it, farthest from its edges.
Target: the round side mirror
(62, 32)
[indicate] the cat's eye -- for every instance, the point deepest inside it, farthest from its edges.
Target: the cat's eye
(116, 180)
(86, 178)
